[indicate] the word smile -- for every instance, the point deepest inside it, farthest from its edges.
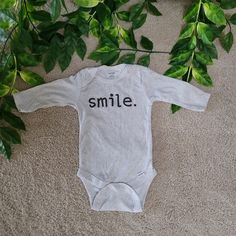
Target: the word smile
(113, 101)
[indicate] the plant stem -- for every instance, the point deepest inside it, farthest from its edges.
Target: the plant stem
(13, 83)
(5, 43)
(190, 67)
(140, 50)
(191, 59)
(228, 22)
(28, 16)
(91, 17)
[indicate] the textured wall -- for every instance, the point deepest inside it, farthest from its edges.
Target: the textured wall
(194, 153)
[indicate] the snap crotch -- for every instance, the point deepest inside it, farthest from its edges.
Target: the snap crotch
(117, 196)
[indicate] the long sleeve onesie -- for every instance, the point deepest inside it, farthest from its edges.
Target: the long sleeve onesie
(115, 140)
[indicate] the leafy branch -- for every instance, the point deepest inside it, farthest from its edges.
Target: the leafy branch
(194, 49)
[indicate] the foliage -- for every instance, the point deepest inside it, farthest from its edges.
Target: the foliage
(40, 32)
(205, 21)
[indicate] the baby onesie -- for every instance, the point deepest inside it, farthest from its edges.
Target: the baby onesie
(115, 140)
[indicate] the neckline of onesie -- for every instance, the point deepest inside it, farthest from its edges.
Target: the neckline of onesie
(100, 76)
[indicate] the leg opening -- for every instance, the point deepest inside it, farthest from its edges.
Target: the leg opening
(117, 196)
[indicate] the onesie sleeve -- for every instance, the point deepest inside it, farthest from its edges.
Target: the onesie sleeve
(175, 91)
(60, 92)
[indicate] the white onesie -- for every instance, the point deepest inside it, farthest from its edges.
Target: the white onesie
(114, 106)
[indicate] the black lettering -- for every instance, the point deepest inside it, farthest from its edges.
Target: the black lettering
(102, 100)
(91, 103)
(112, 99)
(126, 100)
(118, 100)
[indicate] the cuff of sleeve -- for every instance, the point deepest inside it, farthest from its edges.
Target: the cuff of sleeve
(205, 100)
(17, 101)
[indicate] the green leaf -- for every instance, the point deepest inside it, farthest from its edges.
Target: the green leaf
(9, 101)
(123, 15)
(6, 19)
(81, 48)
(146, 43)
(203, 58)
(107, 22)
(39, 48)
(216, 30)
(175, 108)
(106, 57)
(214, 13)
(13, 120)
(127, 58)
(70, 41)
(48, 27)
(181, 57)
(31, 78)
(55, 9)
(107, 39)
(135, 10)
(102, 12)
(82, 13)
(192, 42)
(187, 31)
(37, 2)
(176, 71)
(83, 27)
(233, 19)
(227, 4)
(87, 3)
(9, 78)
(191, 13)
(10, 135)
(51, 56)
(119, 3)
(5, 149)
(210, 50)
(201, 76)
(128, 37)
(64, 58)
(144, 60)
(40, 15)
(21, 39)
(106, 48)
(7, 4)
(27, 59)
(205, 33)
(227, 41)
(197, 64)
(152, 9)
(111, 58)
(114, 31)
(139, 21)
(180, 45)
(95, 27)
(4, 90)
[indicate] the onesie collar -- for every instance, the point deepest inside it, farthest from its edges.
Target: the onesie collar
(102, 72)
